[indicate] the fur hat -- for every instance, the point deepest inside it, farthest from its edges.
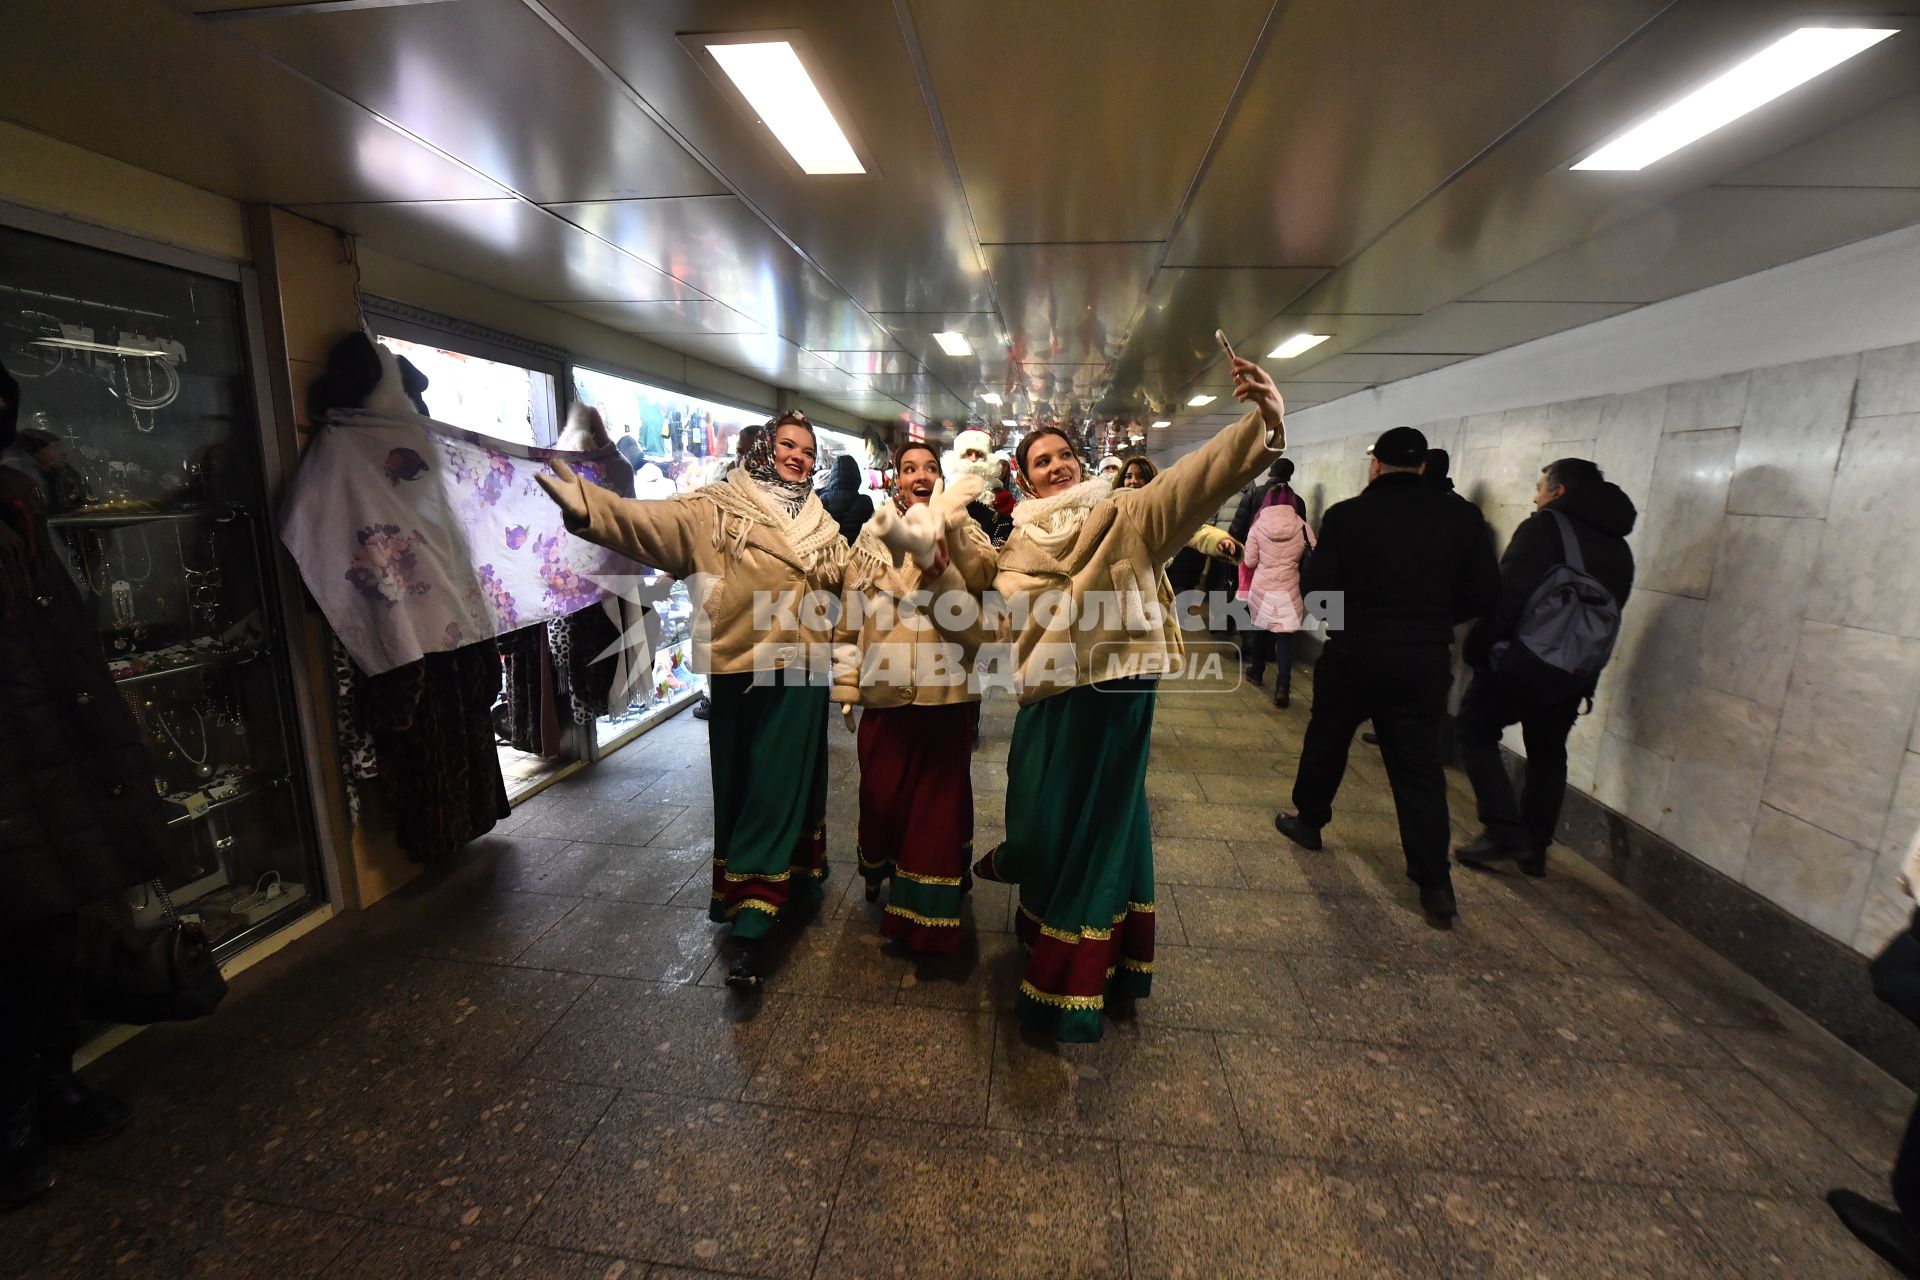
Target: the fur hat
(1110, 460)
(972, 438)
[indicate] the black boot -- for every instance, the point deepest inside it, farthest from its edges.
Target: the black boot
(1257, 673)
(1483, 853)
(1301, 833)
(1881, 1229)
(26, 1166)
(1282, 698)
(1437, 901)
(72, 1113)
(743, 971)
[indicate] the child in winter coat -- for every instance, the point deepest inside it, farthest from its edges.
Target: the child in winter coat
(1276, 544)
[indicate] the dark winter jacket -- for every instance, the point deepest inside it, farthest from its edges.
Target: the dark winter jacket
(1602, 517)
(1410, 560)
(1253, 501)
(79, 817)
(844, 499)
(991, 522)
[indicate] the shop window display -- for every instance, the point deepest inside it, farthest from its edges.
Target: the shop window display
(140, 425)
(676, 443)
(494, 398)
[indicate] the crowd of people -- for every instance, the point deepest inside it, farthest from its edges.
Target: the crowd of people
(1072, 593)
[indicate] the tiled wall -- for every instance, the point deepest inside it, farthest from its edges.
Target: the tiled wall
(1760, 711)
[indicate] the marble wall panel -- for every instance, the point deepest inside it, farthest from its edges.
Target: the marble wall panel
(1630, 779)
(1843, 730)
(1683, 513)
(1868, 574)
(1628, 442)
(1811, 872)
(1655, 662)
(1790, 442)
(1719, 767)
(1888, 907)
(1483, 430)
(1708, 405)
(1576, 419)
(1889, 382)
(1759, 598)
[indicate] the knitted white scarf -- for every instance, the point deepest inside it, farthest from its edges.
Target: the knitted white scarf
(1053, 523)
(744, 502)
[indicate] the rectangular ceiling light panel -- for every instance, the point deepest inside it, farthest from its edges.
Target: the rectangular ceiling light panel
(1785, 64)
(1201, 399)
(771, 77)
(991, 397)
(954, 344)
(1298, 344)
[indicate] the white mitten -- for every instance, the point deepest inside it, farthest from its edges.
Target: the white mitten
(915, 534)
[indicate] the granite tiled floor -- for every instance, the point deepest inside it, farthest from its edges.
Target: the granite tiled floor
(528, 1067)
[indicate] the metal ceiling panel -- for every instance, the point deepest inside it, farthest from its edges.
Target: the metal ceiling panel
(1070, 303)
(1474, 328)
(141, 82)
(1878, 149)
(490, 83)
(1520, 203)
(914, 331)
(1357, 110)
(716, 245)
(651, 319)
(896, 240)
(1174, 338)
(1708, 237)
(1053, 140)
(507, 244)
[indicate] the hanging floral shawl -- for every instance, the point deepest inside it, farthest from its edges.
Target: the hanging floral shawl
(417, 537)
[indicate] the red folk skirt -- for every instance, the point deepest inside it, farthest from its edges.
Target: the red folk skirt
(916, 818)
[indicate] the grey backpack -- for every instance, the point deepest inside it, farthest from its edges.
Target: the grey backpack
(1569, 624)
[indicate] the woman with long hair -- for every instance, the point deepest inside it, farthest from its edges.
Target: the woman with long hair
(1085, 611)
(756, 545)
(918, 702)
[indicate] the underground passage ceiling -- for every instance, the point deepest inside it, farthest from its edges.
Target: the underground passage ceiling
(1031, 209)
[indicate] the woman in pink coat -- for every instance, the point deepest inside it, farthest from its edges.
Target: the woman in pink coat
(1276, 544)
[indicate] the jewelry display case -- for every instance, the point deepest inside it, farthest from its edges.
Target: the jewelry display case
(139, 420)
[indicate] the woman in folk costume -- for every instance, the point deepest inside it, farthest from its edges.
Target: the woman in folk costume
(917, 708)
(1080, 577)
(1276, 547)
(761, 544)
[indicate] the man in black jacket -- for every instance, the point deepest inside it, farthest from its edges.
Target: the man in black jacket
(1408, 562)
(1602, 516)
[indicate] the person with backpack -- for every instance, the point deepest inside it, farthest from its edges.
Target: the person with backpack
(1538, 655)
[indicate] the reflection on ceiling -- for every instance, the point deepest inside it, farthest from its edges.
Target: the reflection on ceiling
(1396, 177)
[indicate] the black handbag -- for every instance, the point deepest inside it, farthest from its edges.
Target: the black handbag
(1896, 971)
(142, 976)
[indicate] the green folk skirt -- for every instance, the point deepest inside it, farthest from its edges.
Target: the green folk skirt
(1079, 847)
(768, 744)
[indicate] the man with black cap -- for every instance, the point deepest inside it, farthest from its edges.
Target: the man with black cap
(1400, 565)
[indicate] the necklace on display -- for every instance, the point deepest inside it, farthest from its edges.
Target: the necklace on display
(203, 585)
(199, 762)
(126, 379)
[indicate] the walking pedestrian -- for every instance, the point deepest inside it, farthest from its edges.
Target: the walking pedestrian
(1080, 576)
(766, 545)
(1579, 516)
(1277, 546)
(917, 714)
(1406, 561)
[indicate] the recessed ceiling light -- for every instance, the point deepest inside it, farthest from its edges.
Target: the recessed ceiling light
(1788, 62)
(1201, 399)
(954, 344)
(1009, 422)
(1162, 423)
(776, 85)
(991, 397)
(1298, 343)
